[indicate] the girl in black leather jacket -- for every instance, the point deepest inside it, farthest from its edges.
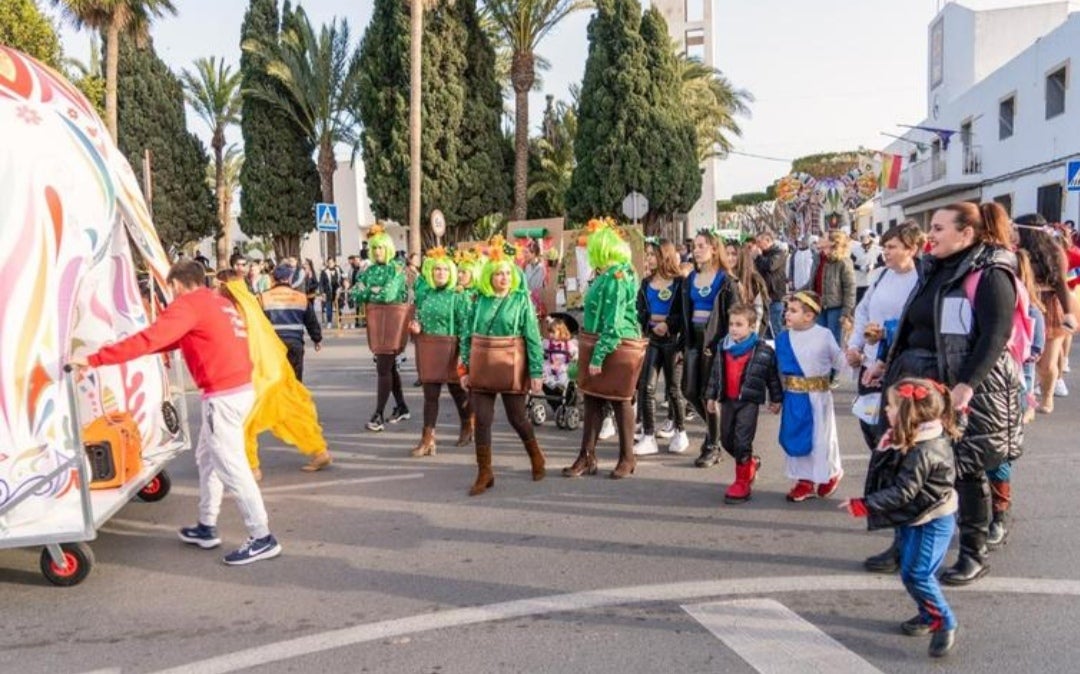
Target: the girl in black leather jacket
(910, 486)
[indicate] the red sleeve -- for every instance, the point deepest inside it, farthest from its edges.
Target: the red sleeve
(171, 325)
(1072, 257)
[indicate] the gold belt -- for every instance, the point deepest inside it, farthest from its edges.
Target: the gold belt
(806, 384)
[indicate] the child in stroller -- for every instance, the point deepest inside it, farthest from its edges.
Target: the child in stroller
(560, 374)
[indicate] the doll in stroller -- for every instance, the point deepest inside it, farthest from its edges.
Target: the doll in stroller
(560, 376)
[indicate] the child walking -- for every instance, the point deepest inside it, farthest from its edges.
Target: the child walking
(910, 486)
(744, 374)
(214, 342)
(807, 354)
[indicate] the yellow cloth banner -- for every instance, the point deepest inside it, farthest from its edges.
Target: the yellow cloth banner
(283, 405)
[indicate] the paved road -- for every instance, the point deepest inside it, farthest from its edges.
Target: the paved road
(390, 567)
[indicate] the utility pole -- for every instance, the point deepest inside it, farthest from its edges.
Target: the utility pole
(415, 56)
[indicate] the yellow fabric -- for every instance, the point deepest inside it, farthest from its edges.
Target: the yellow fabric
(283, 405)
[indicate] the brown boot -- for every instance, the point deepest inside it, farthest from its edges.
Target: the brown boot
(318, 462)
(585, 464)
(467, 428)
(536, 458)
(427, 443)
(485, 478)
(625, 467)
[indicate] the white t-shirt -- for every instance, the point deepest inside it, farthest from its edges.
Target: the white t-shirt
(884, 300)
(865, 262)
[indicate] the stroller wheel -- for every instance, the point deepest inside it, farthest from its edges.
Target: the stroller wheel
(560, 417)
(537, 413)
(573, 419)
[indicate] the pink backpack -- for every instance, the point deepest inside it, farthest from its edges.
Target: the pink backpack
(1023, 326)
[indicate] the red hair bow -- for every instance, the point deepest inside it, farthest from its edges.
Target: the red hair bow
(912, 391)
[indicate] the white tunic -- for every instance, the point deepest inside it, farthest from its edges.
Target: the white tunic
(818, 354)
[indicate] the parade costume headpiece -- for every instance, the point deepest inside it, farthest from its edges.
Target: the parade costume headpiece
(438, 257)
(606, 246)
(501, 255)
(378, 238)
(807, 300)
(471, 261)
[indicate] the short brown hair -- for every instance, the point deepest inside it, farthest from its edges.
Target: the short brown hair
(908, 233)
(747, 311)
(188, 273)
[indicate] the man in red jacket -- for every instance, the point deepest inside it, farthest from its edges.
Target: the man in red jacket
(212, 337)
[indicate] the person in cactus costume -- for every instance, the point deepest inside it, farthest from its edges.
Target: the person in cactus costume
(443, 309)
(503, 309)
(383, 283)
(611, 314)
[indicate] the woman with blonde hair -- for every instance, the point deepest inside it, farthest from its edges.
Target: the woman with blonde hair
(753, 291)
(833, 278)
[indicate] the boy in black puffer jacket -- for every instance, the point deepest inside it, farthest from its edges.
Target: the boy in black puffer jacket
(744, 375)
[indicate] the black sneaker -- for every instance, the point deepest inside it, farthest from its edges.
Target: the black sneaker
(399, 414)
(376, 424)
(709, 456)
(202, 535)
(915, 627)
(253, 550)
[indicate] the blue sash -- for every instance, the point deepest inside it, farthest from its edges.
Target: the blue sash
(797, 419)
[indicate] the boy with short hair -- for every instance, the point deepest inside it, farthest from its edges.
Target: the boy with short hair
(744, 375)
(213, 340)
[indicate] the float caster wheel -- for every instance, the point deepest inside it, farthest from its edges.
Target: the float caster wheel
(78, 561)
(156, 489)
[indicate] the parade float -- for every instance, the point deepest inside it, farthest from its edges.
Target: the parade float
(825, 203)
(73, 227)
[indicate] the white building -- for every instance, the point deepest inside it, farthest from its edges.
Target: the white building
(694, 25)
(1002, 81)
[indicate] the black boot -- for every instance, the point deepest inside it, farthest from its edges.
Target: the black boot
(942, 642)
(999, 530)
(709, 456)
(888, 561)
(974, 521)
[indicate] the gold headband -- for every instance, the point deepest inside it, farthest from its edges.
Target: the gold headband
(806, 299)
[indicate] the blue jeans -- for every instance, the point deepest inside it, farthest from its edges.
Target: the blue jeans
(922, 551)
(776, 318)
(830, 318)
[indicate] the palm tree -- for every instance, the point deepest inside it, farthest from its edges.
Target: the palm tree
(318, 78)
(712, 103)
(231, 163)
(524, 23)
(504, 57)
(213, 91)
(113, 18)
(555, 152)
(416, 40)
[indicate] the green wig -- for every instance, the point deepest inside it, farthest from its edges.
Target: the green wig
(438, 258)
(493, 266)
(606, 247)
(378, 238)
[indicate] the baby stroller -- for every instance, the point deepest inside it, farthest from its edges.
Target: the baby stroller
(563, 400)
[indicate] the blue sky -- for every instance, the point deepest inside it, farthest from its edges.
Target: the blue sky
(827, 75)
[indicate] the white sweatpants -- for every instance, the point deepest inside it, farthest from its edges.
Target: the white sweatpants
(223, 465)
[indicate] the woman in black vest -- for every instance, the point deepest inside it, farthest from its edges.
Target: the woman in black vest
(956, 332)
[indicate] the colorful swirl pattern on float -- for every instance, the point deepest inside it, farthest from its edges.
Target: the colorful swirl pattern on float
(67, 280)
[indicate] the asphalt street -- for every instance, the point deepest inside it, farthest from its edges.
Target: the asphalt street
(389, 566)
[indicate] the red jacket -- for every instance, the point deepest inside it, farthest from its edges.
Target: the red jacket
(210, 333)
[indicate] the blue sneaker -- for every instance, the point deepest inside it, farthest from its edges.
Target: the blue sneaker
(206, 537)
(253, 550)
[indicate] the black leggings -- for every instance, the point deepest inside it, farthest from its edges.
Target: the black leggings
(594, 418)
(431, 402)
(483, 405)
(698, 365)
(389, 381)
(661, 357)
(738, 426)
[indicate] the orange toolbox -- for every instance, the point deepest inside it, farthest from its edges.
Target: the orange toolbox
(113, 445)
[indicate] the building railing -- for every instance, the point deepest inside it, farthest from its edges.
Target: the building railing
(936, 167)
(972, 160)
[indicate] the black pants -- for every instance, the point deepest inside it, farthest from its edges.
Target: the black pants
(738, 426)
(483, 406)
(431, 402)
(389, 381)
(660, 358)
(294, 352)
(594, 418)
(698, 365)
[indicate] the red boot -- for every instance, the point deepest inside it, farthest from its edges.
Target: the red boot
(745, 474)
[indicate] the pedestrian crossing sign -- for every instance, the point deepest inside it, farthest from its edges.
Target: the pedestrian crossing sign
(326, 219)
(1072, 176)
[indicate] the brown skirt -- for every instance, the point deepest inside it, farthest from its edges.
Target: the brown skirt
(619, 378)
(388, 327)
(436, 358)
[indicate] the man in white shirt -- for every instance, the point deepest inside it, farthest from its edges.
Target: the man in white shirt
(802, 262)
(866, 257)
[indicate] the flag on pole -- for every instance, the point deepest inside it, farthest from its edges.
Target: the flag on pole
(890, 171)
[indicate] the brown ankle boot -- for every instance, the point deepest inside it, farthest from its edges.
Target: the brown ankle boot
(585, 464)
(536, 458)
(485, 478)
(427, 443)
(467, 429)
(625, 467)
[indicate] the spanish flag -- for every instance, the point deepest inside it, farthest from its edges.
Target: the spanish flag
(283, 405)
(890, 171)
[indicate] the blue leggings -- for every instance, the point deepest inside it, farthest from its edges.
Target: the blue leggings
(922, 551)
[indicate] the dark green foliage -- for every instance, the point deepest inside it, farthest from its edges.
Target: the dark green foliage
(632, 133)
(749, 198)
(826, 164)
(278, 182)
(24, 27)
(464, 170)
(151, 116)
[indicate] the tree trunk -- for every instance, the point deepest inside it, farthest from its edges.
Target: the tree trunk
(522, 76)
(224, 244)
(112, 58)
(326, 165)
(415, 55)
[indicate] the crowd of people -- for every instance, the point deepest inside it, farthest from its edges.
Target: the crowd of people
(955, 337)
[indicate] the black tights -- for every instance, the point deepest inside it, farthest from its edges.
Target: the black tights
(594, 418)
(431, 402)
(483, 406)
(661, 358)
(698, 366)
(389, 381)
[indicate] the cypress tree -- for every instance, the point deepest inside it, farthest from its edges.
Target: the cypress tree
(150, 115)
(278, 182)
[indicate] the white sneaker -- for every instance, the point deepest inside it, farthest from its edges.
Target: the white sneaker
(679, 443)
(667, 430)
(1060, 389)
(1066, 369)
(646, 446)
(607, 429)
(639, 432)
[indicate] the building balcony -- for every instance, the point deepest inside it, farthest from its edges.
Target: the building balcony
(952, 170)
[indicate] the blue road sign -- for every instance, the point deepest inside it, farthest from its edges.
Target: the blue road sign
(1072, 176)
(326, 219)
